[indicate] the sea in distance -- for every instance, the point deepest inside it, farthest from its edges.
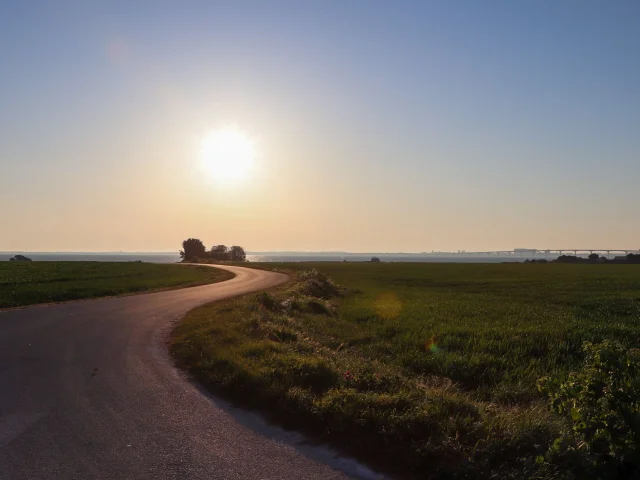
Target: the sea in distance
(172, 257)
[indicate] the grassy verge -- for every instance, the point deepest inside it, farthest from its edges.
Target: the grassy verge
(42, 282)
(429, 370)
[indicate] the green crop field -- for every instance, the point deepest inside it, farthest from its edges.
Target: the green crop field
(426, 369)
(27, 283)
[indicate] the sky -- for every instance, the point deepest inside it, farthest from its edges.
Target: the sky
(377, 126)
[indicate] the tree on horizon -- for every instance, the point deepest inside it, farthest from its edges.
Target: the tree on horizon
(237, 254)
(192, 248)
(219, 252)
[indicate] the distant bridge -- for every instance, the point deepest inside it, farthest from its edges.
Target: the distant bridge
(528, 252)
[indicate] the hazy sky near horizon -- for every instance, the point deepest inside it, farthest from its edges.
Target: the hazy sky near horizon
(378, 126)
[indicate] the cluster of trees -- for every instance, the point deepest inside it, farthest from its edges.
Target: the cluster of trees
(20, 258)
(633, 258)
(595, 258)
(193, 250)
(576, 259)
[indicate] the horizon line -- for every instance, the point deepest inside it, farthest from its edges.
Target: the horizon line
(307, 252)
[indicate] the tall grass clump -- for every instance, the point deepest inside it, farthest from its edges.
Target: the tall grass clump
(317, 284)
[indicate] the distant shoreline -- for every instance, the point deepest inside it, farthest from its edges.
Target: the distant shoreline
(293, 253)
(173, 257)
(282, 257)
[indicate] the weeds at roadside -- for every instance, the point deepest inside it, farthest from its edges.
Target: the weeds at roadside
(427, 370)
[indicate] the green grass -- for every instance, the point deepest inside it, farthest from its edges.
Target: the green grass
(28, 283)
(426, 369)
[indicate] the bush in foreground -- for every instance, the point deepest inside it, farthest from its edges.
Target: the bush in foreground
(602, 405)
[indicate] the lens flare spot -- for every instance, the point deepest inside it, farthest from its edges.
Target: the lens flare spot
(387, 305)
(431, 346)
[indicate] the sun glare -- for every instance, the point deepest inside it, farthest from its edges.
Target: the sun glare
(227, 155)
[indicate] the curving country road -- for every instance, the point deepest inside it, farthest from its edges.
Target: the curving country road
(88, 391)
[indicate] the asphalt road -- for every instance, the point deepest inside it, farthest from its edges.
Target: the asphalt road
(88, 391)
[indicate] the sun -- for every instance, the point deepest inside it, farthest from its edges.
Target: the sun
(227, 155)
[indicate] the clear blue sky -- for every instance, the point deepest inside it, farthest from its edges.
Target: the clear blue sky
(377, 126)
